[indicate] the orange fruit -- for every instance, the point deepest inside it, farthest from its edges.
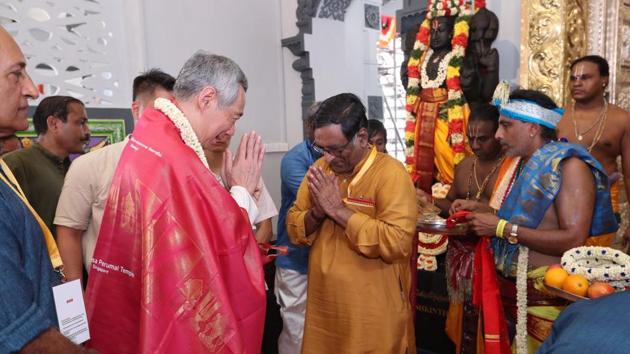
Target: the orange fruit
(555, 277)
(576, 285)
(557, 265)
(599, 289)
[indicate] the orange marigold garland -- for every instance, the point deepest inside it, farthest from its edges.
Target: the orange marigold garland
(456, 100)
(413, 89)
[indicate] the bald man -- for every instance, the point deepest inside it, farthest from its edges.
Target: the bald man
(27, 252)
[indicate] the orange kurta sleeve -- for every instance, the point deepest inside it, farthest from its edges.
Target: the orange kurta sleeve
(295, 217)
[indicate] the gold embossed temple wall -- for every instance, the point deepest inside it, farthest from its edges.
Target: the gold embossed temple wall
(553, 33)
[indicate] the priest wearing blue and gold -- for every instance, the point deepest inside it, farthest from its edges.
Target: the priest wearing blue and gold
(558, 199)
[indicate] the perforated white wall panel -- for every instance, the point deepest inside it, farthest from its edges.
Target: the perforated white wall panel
(73, 47)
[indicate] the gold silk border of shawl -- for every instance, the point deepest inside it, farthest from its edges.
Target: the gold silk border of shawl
(553, 33)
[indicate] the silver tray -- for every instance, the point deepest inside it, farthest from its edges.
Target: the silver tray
(564, 294)
(438, 226)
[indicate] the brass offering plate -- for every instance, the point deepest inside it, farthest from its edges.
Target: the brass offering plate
(564, 294)
(433, 224)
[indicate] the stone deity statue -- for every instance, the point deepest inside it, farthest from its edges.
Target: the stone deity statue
(435, 138)
(480, 70)
(408, 39)
(440, 44)
(433, 156)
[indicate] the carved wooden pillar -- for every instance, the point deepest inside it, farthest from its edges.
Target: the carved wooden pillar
(553, 33)
(306, 10)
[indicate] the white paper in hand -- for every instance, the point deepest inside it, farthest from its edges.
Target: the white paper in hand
(71, 313)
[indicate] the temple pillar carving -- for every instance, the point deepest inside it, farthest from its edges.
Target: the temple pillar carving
(553, 33)
(609, 36)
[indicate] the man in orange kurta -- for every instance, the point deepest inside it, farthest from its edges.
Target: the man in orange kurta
(357, 210)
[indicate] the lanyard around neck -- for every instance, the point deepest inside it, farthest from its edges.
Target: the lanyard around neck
(9, 179)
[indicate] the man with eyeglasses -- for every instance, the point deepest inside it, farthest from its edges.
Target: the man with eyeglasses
(356, 208)
(291, 269)
(28, 252)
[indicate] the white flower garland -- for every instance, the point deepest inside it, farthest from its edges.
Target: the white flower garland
(182, 124)
(599, 264)
(428, 263)
(521, 301)
(441, 72)
(438, 9)
(432, 239)
(429, 246)
(501, 93)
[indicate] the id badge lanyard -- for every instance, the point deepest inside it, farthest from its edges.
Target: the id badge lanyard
(53, 251)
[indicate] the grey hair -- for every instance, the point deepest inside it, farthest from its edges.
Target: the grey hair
(204, 69)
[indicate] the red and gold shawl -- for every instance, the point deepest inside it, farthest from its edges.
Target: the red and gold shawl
(176, 268)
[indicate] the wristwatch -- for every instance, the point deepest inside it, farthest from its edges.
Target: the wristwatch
(513, 237)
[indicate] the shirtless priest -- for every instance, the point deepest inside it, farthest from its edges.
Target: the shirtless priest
(603, 128)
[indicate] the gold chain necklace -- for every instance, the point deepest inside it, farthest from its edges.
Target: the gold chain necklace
(484, 184)
(600, 122)
(474, 173)
(598, 134)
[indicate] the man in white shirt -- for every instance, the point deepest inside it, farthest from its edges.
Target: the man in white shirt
(86, 186)
(266, 208)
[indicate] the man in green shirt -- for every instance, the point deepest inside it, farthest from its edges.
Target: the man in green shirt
(9, 144)
(61, 125)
